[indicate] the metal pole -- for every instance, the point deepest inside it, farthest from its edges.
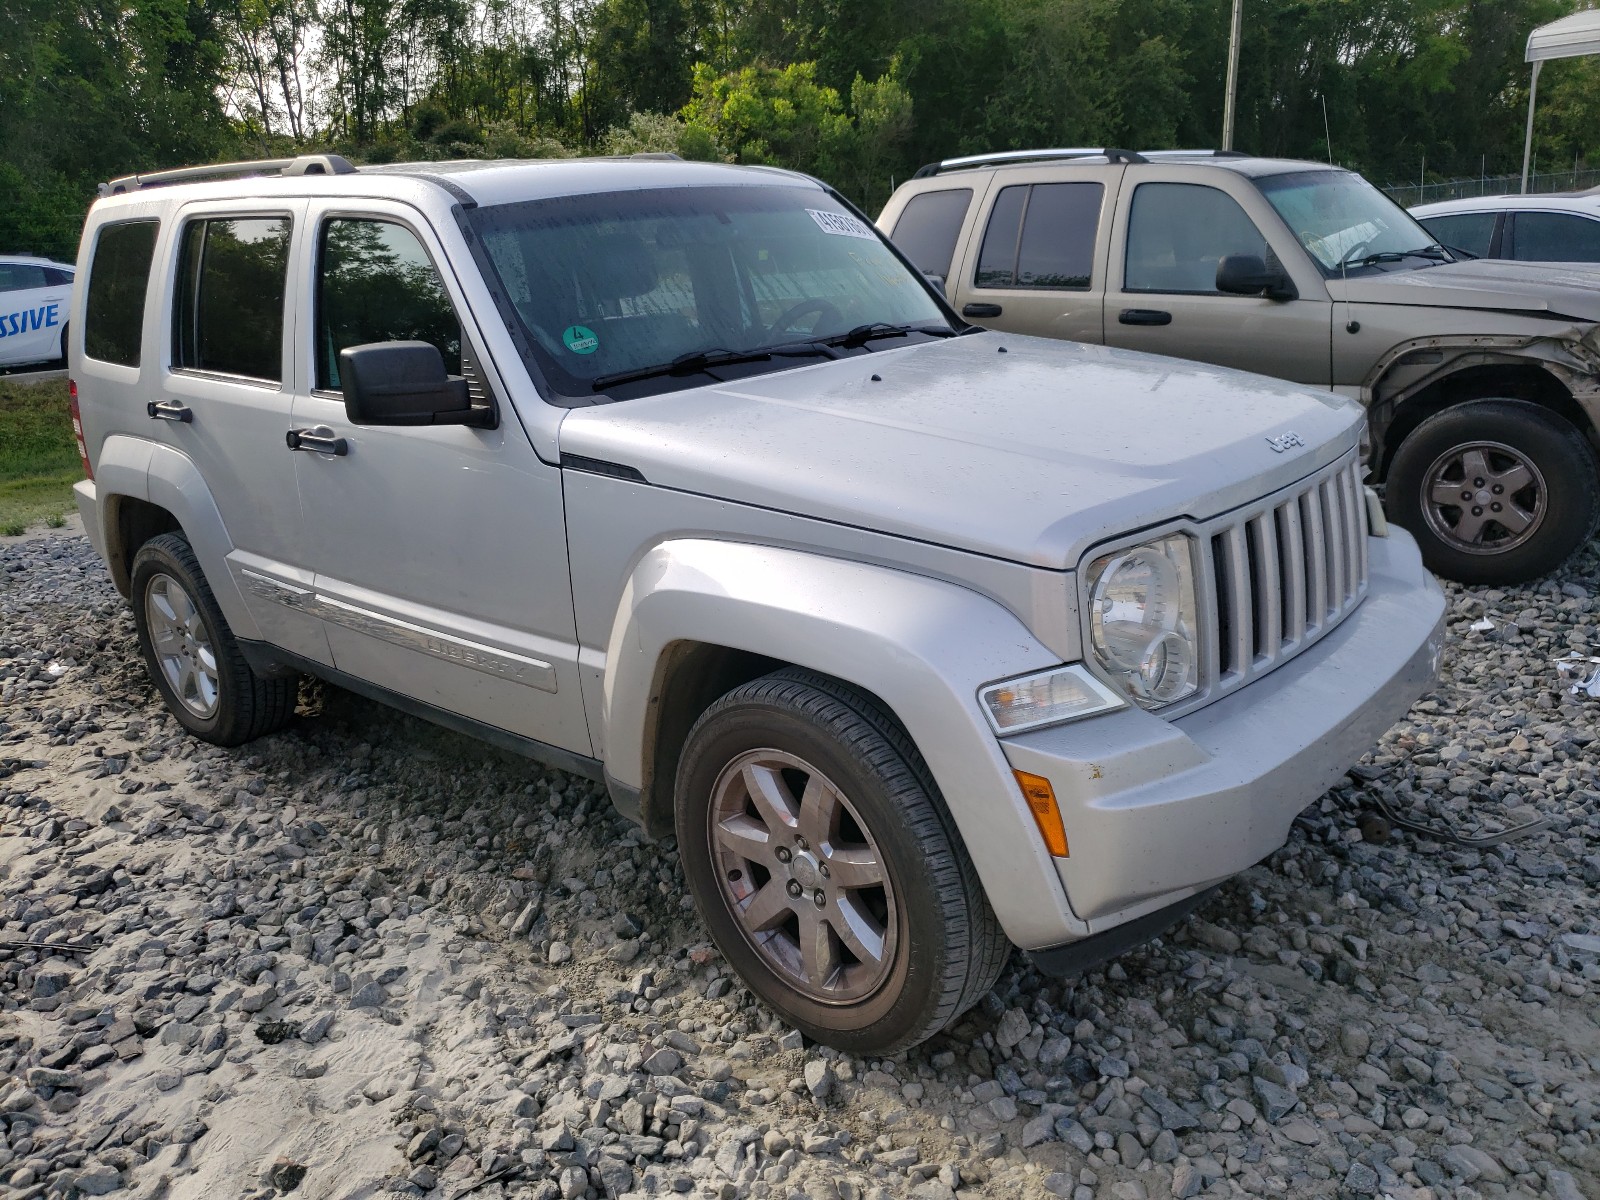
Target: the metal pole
(1527, 143)
(1229, 102)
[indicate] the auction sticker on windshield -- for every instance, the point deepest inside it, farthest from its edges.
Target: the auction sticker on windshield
(841, 224)
(580, 339)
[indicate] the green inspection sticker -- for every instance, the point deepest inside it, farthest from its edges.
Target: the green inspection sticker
(580, 339)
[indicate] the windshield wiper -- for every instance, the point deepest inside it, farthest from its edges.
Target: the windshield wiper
(862, 334)
(1434, 253)
(701, 360)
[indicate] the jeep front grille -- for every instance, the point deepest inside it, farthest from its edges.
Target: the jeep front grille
(1284, 572)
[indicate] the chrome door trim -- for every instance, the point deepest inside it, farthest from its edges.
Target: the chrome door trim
(476, 656)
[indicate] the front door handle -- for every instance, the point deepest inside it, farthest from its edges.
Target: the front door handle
(1145, 316)
(319, 439)
(981, 310)
(169, 410)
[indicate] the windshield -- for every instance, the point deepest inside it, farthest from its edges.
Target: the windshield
(1340, 218)
(697, 282)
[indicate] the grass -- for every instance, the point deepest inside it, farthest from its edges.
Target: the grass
(38, 457)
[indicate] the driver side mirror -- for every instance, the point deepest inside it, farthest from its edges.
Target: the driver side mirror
(937, 282)
(1249, 275)
(404, 383)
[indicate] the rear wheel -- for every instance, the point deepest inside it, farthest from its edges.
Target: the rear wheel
(192, 655)
(1495, 491)
(825, 866)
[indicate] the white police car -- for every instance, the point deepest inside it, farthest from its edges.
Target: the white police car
(35, 295)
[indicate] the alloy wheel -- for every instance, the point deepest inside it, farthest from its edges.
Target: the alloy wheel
(182, 645)
(1483, 498)
(802, 876)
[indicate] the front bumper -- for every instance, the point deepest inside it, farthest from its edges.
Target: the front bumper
(1158, 810)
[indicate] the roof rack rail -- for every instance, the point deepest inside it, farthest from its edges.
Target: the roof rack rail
(305, 164)
(1112, 154)
(1005, 156)
(656, 156)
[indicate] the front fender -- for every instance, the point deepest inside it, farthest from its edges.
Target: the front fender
(921, 646)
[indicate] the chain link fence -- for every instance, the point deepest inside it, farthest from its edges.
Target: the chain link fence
(1409, 195)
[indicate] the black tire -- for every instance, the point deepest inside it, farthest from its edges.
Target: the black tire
(947, 947)
(241, 706)
(64, 330)
(1564, 495)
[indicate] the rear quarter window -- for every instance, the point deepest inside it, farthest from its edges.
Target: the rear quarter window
(928, 228)
(118, 275)
(1555, 237)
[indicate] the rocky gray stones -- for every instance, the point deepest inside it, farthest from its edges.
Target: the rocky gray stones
(1277, 1101)
(1186, 1180)
(1361, 1180)
(1172, 1116)
(1354, 1040)
(1471, 1164)
(1223, 940)
(664, 1061)
(1012, 1029)
(819, 1078)
(369, 995)
(97, 1179)
(490, 1059)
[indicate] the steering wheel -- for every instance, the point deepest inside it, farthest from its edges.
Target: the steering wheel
(788, 316)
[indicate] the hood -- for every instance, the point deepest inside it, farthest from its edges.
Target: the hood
(1020, 448)
(1562, 291)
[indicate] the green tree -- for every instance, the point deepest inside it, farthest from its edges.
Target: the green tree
(771, 115)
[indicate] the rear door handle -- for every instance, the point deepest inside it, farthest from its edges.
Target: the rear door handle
(981, 310)
(319, 439)
(169, 410)
(1145, 316)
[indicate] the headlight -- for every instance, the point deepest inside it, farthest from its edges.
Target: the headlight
(1048, 698)
(1142, 619)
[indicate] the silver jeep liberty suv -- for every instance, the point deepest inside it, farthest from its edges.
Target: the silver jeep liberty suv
(923, 641)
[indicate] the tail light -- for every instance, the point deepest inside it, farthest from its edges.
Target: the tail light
(77, 427)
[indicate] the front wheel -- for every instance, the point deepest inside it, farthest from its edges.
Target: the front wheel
(191, 653)
(826, 868)
(1495, 491)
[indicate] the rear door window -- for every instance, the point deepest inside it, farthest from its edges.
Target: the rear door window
(20, 277)
(1554, 237)
(1472, 232)
(232, 277)
(1179, 232)
(376, 283)
(1041, 235)
(119, 273)
(928, 228)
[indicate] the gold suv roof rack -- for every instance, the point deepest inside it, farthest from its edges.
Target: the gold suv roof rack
(1110, 154)
(305, 164)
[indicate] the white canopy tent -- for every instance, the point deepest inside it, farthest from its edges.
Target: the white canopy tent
(1570, 37)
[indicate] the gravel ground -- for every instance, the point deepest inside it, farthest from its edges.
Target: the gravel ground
(366, 956)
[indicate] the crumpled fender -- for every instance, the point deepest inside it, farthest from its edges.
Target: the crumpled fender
(922, 646)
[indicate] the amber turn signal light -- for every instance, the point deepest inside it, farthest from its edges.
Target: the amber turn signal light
(1041, 798)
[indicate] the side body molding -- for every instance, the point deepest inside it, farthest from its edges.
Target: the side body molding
(922, 646)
